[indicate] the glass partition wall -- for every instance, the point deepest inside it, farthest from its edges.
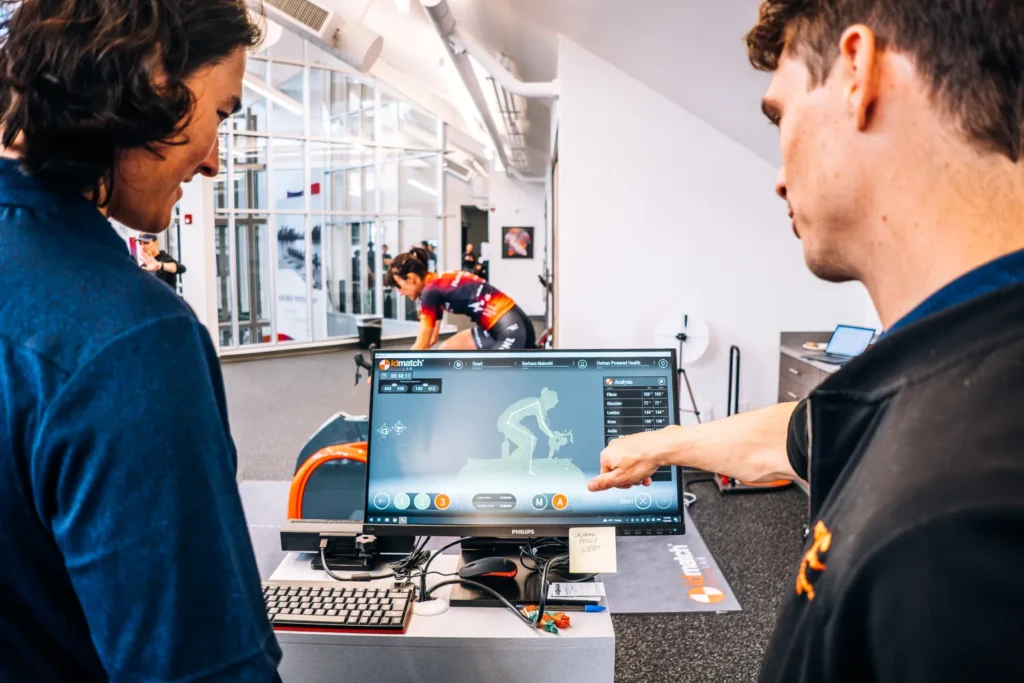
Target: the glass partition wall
(320, 186)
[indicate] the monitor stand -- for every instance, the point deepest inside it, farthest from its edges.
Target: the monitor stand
(524, 589)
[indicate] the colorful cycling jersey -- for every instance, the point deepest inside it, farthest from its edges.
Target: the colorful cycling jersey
(465, 294)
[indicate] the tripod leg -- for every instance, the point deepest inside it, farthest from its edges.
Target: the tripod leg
(689, 390)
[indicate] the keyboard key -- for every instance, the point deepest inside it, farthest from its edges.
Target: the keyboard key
(364, 620)
(303, 620)
(352, 619)
(307, 611)
(374, 621)
(332, 612)
(320, 612)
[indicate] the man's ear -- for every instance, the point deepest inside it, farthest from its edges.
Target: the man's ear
(859, 56)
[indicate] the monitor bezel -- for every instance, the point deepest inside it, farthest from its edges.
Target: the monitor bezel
(523, 530)
(849, 327)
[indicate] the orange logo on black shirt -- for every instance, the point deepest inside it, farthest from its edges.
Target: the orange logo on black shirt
(814, 559)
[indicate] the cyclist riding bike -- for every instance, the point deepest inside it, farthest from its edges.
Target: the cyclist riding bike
(500, 323)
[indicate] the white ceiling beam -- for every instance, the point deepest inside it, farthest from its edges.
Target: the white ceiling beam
(264, 89)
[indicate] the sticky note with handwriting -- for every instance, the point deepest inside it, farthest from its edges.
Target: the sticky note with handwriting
(592, 550)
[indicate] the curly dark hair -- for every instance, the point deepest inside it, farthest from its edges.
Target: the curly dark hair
(82, 80)
(971, 51)
(416, 261)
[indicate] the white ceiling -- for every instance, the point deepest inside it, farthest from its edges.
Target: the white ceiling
(689, 51)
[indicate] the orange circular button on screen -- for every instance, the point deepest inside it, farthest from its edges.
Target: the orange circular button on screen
(442, 501)
(559, 502)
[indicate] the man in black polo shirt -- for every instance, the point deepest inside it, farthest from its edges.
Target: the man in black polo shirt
(159, 262)
(902, 129)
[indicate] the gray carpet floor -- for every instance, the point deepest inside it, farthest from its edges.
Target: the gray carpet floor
(276, 404)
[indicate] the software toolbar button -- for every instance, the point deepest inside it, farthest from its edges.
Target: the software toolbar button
(643, 501)
(539, 502)
(582, 365)
(381, 501)
(458, 365)
(421, 501)
(663, 502)
(559, 502)
(402, 501)
(442, 501)
(662, 363)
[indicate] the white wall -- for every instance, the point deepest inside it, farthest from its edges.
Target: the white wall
(517, 204)
(660, 213)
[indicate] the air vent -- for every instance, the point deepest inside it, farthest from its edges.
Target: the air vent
(306, 13)
(349, 41)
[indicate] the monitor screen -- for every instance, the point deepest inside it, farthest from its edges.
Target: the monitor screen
(503, 443)
(849, 341)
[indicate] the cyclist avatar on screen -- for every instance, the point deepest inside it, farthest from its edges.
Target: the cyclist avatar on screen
(501, 325)
(511, 425)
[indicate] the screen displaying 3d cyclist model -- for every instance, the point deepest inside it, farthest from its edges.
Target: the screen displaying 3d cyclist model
(494, 438)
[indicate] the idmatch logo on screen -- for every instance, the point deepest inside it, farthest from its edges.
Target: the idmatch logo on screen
(386, 364)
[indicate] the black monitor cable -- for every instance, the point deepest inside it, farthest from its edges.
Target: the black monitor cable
(532, 551)
(402, 569)
(426, 567)
(487, 589)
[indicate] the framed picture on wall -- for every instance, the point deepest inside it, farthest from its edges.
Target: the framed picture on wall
(517, 243)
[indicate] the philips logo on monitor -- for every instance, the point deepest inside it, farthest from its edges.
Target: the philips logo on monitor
(386, 365)
(523, 532)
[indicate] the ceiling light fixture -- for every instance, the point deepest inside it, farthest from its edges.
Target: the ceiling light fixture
(420, 186)
(261, 87)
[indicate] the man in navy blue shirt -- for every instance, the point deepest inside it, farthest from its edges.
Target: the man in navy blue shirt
(125, 557)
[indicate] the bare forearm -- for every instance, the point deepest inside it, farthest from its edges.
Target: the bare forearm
(749, 446)
(422, 340)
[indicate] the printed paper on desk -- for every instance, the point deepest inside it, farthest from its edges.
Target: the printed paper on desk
(592, 550)
(584, 592)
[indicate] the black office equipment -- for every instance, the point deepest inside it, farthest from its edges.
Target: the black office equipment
(847, 342)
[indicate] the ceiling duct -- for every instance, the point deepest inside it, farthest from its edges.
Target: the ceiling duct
(499, 72)
(509, 107)
(458, 46)
(350, 41)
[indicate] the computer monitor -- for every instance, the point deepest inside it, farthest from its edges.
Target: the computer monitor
(501, 444)
(849, 341)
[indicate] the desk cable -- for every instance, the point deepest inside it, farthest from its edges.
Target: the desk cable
(402, 569)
